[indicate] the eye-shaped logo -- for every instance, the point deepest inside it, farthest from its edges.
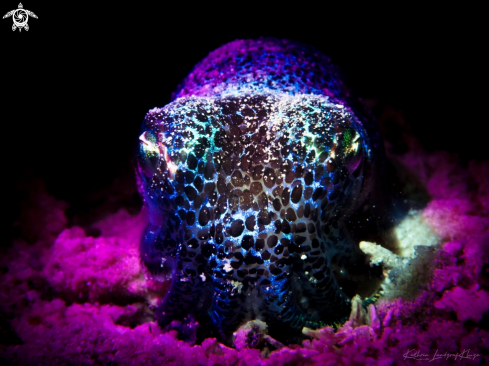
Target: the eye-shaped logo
(20, 17)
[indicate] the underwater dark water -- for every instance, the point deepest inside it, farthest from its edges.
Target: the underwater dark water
(75, 93)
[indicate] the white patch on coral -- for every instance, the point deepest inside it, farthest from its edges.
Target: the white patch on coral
(413, 231)
(380, 255)
(403, 273)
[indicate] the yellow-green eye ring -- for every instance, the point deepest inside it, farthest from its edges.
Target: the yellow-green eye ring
(149, 153)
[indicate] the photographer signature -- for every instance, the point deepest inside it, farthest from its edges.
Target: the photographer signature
(417, 355)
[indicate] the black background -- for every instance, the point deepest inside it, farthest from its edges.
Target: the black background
(76, 86)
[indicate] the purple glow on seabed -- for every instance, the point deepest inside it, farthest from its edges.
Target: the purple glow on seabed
(72, 298)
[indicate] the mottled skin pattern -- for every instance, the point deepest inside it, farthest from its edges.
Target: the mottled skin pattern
(249, 176)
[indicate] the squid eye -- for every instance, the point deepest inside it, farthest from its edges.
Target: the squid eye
(148, 154)
(355, 164)
(353, 151)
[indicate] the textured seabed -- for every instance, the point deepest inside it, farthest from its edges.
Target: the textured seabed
(81, 296)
